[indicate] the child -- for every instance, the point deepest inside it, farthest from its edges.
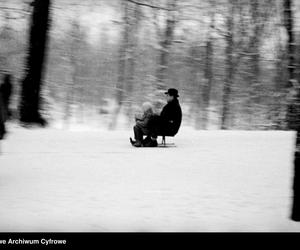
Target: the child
(142, 124)
(147, 112)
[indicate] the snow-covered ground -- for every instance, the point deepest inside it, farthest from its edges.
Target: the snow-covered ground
(56, 180)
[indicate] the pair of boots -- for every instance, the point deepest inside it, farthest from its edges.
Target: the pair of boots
(147, 142)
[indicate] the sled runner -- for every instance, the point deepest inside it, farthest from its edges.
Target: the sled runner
(163, 143)
(167, 145)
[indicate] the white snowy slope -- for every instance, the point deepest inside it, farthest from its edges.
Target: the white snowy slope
(225, 181)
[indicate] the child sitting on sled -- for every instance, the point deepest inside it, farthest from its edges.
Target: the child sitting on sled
(141, 127)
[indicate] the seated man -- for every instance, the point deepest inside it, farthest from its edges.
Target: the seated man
(169, 120)
(6, 90)
(167, 123)
(2, 118)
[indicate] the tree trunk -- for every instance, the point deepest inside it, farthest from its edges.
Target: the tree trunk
(278, 102)
(120, 88)
(132, 60)
(73, 63)
(208, 73)
(293, 112)
(229, 70)
(164, 53)
(165, 45)
(31, 85)
(295, 214)
(254, 62)
(289, 24)
(293, 119)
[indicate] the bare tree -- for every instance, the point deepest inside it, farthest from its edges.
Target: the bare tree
(293, 107)
(254, 59)
(166, 37)
(165, 43)
(120, 88)
(278, 106)
(208, 70)
(31, 85)
(295, 214)
(132, 49)
(72, 61)
(289, 24)
(229, 66)
(277, 112)
(293, 119)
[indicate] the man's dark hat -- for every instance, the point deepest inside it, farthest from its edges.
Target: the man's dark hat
(172, 92)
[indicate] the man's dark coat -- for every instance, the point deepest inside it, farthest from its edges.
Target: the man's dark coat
(169, 121)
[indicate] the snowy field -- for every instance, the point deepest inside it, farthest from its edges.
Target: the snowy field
(225, 181)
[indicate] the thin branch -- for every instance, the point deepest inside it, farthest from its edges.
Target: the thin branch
(14, 9)
(149, 5)
(222, 32)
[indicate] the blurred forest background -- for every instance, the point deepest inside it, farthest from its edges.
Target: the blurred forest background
(234, 62)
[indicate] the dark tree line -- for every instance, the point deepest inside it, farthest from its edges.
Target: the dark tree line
(241, 41)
